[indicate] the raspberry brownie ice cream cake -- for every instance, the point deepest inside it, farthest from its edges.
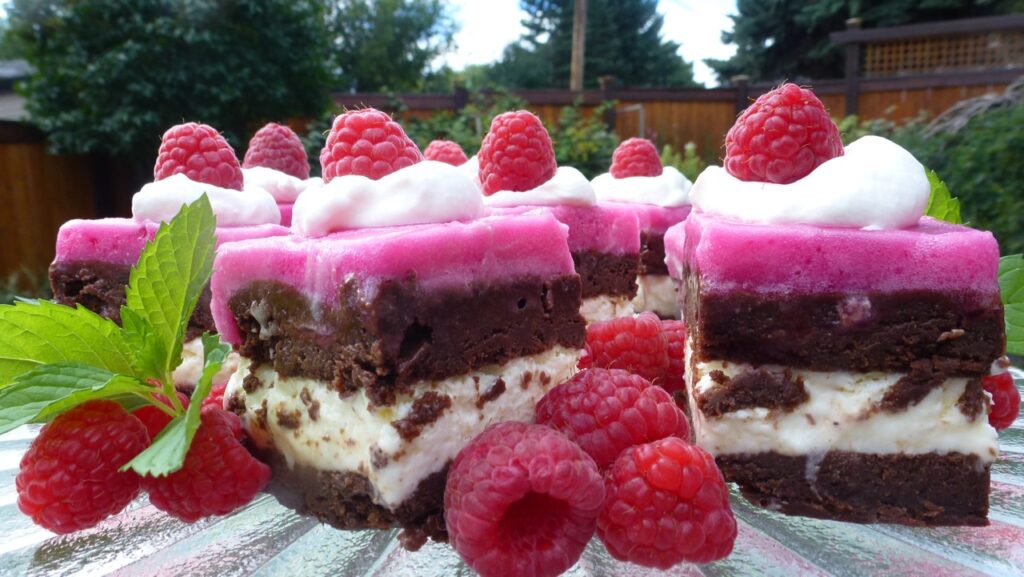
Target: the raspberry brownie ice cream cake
(837, 338)
(517, 173)
(94, 257)
(276, 162)
(659, 195)
(395, 324)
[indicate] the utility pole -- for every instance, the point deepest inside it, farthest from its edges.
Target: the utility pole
(579, 43)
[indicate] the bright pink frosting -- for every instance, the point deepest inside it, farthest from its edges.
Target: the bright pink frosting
(121, 240)
(440, 255)
(610, 227)
(658, 219)
(934, 256)
(286, 212)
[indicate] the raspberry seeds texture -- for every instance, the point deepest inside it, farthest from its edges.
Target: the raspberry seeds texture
(638, 345)
(278, 147)
(781, 137)
(635, 157)
(522, 500)
(666, 502)
(608, 411)
(199, 152)
(1005, 400)
(368, 143)
(445, 151)
(516, 154)
(673, 382)
(69, 478)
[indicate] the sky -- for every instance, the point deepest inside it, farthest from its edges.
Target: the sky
(487, 26)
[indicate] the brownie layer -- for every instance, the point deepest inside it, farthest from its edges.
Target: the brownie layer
(927, 489)
(385, 337)
(652, 253)
(606, 274)
(957, 334)
(100, 287)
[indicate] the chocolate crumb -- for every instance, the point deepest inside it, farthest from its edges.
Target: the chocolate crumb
(911, 388)
(250, 383)
(525, 382)
(312, 405)
(378, 458)
(753, 388)
(288, 419)
(425, 410)
(545, 379)
(261, 415)
(495, 391)
(973, 401)
(236, 404)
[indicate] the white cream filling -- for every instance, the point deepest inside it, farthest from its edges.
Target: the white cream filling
(839, 416)
(567, 187)
(656, 293)
(604, 308)
(350, 435)
(191, 368)
(669, 189)
(159, 201)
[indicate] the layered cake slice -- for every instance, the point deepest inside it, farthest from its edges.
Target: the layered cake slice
(659, 196)
(837, 340)
(396, 324)
(276, 162)
(517, 173)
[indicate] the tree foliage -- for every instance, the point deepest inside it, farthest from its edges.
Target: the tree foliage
(623, 39)
(111, 75)
(789, 39)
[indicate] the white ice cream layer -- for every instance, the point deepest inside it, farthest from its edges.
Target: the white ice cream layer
(840, 415)
(567, 187)
(283, 187)
(159, 201)
(349, 435)
(669, 189)
(656, 293)
(605, 307)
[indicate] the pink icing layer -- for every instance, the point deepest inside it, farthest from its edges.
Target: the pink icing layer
(286, 212)
(610, 228)
(440, 255)
(657, 219)
(121, 240)
(934, 256)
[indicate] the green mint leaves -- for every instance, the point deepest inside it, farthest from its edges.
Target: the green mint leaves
(53, 357)
(1011, 288)
(941, 204)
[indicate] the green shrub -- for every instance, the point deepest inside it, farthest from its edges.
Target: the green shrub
(584, 142)
(688, 163)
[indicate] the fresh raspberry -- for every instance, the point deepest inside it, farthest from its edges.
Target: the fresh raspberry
(516, 154)
(445, 151)
(606, 411)
(637, 345)
(1005, 400)
(666, 502)
(216, 397)
(69, 478)
(635, 157)
(676, 333)
(201, 153)
(277, 146)
(781, 137)
(219, 474)
(153, 418)
(368, 143)
(521, 500)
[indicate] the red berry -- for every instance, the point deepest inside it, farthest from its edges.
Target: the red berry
(219, 474)
(781, 137)
(516, 154)
(521, 500)
(637, 345)
(368, 143)
(69, 478)
(277, 146)
(445, 151)
(666, 502)
(676, 333)
(153, 418)
(636, 157)
(216, 397)
(1005, 400)
(200, 153)
(608, 411)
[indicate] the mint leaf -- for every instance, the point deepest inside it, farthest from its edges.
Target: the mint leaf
(167, 453)
(48, 390)
(164, 287)
(40, 332)
(941, 204)
(1011, 289)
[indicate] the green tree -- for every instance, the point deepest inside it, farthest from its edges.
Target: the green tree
(789, 39)
(111, 75)
(624, 40)
(380, 45)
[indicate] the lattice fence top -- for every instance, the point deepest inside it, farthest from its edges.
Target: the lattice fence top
(987, 51)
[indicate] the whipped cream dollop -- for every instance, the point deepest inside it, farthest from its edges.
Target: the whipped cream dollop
(425, 192)
(670, 189)
(161, 200)
(567, 186)
(283, 187)
(876, 184)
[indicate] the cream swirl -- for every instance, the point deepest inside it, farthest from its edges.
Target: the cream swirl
(567, 186)
(425, 192)
(876, 184)
(283, 187)
(161, 200)
(669, 189)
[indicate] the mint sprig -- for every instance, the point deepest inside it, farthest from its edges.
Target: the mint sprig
(941, 204)
(53, 357)
(1011, 289)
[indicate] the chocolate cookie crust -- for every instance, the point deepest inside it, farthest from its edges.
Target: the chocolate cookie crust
(605, 274)
(652, 253)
